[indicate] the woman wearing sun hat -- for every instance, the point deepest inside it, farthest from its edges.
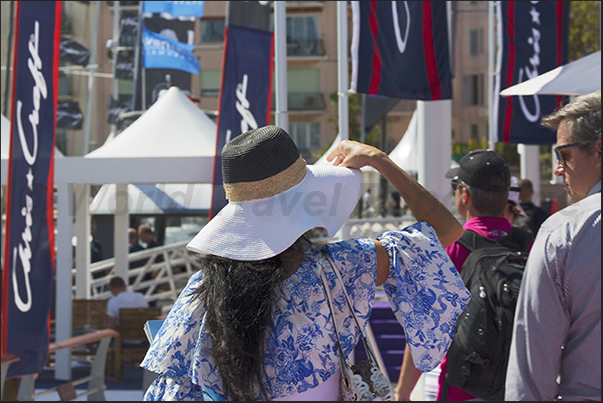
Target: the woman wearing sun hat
(254, 322)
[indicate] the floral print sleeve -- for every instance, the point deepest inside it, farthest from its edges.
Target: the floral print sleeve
(425, 291)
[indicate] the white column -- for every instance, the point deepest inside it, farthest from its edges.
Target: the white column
(121, 220)
(529, 157)
(434, 146)
(63, 279)
(82, 232)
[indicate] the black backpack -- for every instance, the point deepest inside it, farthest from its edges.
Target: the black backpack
(479, 353)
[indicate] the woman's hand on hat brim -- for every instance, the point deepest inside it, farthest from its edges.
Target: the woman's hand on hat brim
(351, 154)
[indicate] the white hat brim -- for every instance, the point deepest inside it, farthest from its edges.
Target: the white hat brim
(263, 228)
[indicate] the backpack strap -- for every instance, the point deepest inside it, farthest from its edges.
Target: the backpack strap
(518, 239)
(472, 241)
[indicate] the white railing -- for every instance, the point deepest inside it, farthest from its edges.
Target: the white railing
(162, 281)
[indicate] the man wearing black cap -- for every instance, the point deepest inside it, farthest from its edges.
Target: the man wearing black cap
(481, 189)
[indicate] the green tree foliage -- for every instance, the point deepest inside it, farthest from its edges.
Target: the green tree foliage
(584, 29)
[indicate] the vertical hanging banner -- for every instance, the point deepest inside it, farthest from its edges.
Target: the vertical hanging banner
(245, 93)
(533, 39)
(400, 49)
(28, 271)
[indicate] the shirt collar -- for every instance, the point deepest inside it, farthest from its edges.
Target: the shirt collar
(595, 189)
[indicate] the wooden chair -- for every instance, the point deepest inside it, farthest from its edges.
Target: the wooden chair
(131, 345)
(88, 315)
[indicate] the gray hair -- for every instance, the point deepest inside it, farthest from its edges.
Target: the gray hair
(583, 118)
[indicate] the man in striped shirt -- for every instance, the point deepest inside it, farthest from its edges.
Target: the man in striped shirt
(556, 346)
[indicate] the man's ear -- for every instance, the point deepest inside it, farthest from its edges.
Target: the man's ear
(465, 195)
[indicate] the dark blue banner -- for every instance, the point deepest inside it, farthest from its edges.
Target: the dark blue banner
(533, 39)
(28, 270)
(400, 49)
(245, 93)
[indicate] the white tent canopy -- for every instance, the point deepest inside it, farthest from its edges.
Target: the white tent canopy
(173, 127)
(576, 78)
(405, 154)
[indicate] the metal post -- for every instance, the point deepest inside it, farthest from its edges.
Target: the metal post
(137, 58)
(114, 87)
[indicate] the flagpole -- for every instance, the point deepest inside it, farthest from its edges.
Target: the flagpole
(342, 86)
(342, 64)
(88, 115)
(491, 77)
(280, 64)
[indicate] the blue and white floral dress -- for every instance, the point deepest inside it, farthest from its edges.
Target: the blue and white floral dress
(425, 291)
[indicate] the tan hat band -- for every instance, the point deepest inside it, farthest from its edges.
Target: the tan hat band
(244, 191)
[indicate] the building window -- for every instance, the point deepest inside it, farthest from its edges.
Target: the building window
(302, 36)
(306, 136)
(303, 89)
(212, 31)
(210, 83)
(476, 42)
(474, 132)
(473, 89)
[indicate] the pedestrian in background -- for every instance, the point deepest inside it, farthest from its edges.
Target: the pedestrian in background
(535, 215)
(481, 190)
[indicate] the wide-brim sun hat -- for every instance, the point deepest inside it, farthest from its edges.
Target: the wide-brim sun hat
(274, 198)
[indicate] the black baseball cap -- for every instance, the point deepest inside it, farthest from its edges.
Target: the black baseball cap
(478, 167)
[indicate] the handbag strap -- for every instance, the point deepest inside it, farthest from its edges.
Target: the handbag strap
(329, 300)
(369, 352)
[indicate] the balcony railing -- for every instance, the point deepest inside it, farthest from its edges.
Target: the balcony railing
(302, 101)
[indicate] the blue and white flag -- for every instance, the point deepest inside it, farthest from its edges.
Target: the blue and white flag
(160, 52)
(175, 8)
(28, 257)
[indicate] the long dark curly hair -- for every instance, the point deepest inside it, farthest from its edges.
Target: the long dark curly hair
(238, 301)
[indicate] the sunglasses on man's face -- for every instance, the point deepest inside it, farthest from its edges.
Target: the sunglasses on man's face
(455, 185)
(559, 148)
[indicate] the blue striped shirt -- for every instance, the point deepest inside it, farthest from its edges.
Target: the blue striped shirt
(556, 347)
